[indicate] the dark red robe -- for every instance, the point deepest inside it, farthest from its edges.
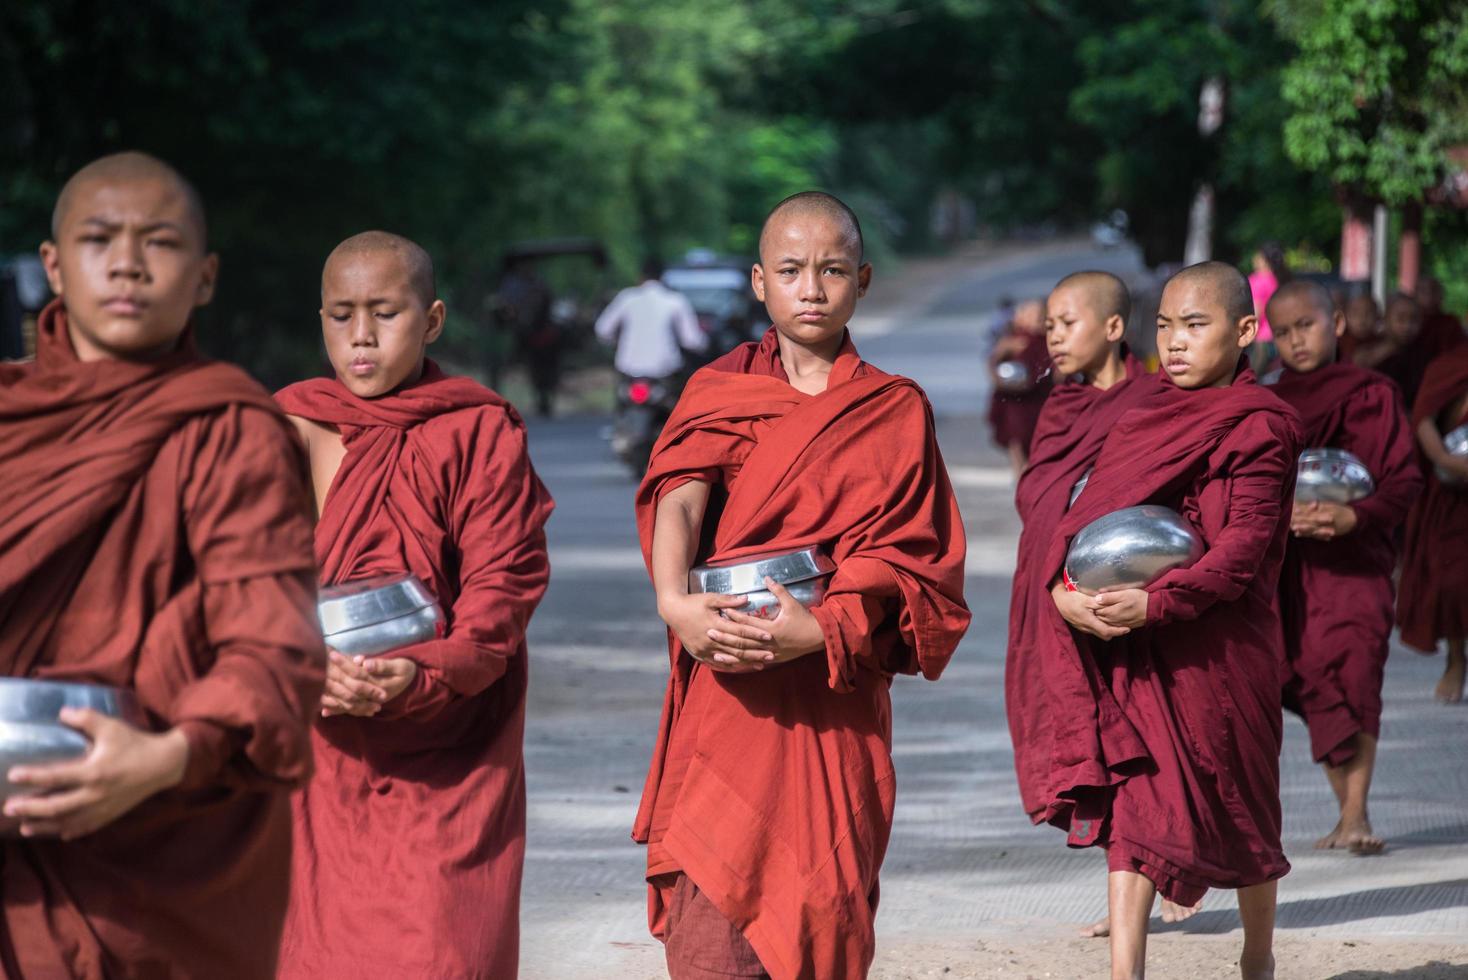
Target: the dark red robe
(1432, 597)
(1014, 415)
(1165, 747)
(773, 791)
(155, 535)
(1336, 597)
(411, 836)
(1072, 427)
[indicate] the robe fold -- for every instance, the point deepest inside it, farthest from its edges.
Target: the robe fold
(1014, 415)
(1165, 742)
(773, 791)
(411, 837)
(155, 535)
(1073, 425)
(1336, 597)
(1432, 596)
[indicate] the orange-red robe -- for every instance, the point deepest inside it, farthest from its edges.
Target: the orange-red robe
(1165, 748)
(155, 534)
(411, 836)
(773, 791)
(1075, 422)
(1432, 597)
(1336, 596)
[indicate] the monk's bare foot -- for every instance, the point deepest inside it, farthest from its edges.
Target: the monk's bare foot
(1099, 929)
(1257, 968)
(1173, 912)
(1330, 841)
(1358, 838)
(1450, 688)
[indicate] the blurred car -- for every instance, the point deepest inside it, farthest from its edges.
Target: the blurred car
(719, 290)
(1111, 232)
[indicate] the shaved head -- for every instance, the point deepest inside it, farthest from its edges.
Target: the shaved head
(415, 259)
(816, 204)
(1107, 292)
(1307, 291)
(125, 168)
(1223, 282)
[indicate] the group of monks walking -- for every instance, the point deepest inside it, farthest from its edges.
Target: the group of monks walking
(293, 811)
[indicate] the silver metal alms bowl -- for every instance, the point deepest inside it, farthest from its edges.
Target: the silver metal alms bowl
(1456, 443)
(804, 573)
(31, 732)
(374, 615)
(1012, 376)
(1078, 486)
(1131, 548)
(1332, 475)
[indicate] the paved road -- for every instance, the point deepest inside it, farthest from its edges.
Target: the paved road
(964, 862)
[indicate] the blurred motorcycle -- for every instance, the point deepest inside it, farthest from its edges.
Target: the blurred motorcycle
(643, 405)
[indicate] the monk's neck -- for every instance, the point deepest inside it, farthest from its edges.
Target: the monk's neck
(1110, 373)
(808, 367)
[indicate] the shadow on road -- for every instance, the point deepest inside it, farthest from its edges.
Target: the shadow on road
(1435, 970)
(1373, 903)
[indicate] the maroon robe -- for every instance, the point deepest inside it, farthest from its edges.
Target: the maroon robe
(1014, 415)
(1432, 598)
(1073, 425)
(1336, 597)
(411, 836)
(155, 534)
(1165, 747)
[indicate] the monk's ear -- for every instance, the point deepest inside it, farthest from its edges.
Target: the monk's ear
(51, 262)
(863, 279)
(437, 314)
(1339, 323)
(208, 276)
(1115, 328)
(1248, 328)
(757, 281)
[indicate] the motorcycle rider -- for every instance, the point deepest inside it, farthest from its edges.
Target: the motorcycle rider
(651, 325)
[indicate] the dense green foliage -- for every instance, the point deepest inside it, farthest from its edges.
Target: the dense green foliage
(658, 125)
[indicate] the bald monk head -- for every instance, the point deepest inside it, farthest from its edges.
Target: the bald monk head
(1363, 317)
(128, 257)
(1085, 320)
(1307, 326)
(1205, 321)
(811, 269)
(1403, 321)
(379, 312)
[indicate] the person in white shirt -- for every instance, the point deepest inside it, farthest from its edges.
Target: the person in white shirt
(652, 326)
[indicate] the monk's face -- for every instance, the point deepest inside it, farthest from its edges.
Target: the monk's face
(377, 328)
(1403, 321)
(1029, 317)
(1304, 332)
(1361, 317)
(809, 277)
(1198, 342)
(1079, 337)
(130, 265)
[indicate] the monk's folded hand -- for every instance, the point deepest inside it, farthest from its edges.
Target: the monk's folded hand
(1322, 520)
(392, 674)
(124, 767)
(350, 687)
(1075, 609)
(698, 622)
(1122, 608)
(793, 633)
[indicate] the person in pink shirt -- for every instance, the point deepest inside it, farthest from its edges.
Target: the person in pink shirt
(1270, 272)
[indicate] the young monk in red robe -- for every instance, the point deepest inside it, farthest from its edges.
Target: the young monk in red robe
(1165, 746)
(1013, 415)
(411, 837)
(1085, 321)
(155, 536)
(1432, 599)
(1336, 592)
(770, 798)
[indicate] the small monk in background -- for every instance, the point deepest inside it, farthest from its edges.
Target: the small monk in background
(1336, 592)
(411, 837)
(769, 802)
(1166, 699)
(1441, 330)
(1014, 413)
(1432, 597)
(1361, 343)
(1406, 355)
(155, 535)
